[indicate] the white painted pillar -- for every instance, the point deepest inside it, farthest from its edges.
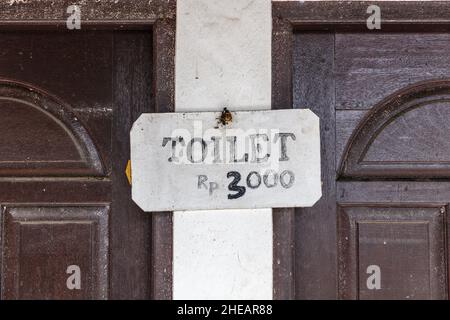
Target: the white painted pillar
(223, 59)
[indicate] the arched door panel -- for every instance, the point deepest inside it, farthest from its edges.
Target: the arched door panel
(403, 136)
(40, 136)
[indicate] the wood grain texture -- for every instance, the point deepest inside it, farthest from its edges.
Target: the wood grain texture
(351, 15)
(313, 85)
(51, 139)
(25, 57)
(412, 44)
(346, 123)
(108, 86)
(41, 242)
(403, 136)
(64, 190)
(283, 220)
(164, 101)
(130, 226)
(51, 213)
(372, 66)
(393, 191)
(94, 14)
(417, 136)
(407, 243)
(283, 253)
(282, 46)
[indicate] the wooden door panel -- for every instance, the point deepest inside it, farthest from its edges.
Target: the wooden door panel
(55, 252)
(131, 244)
(393, 124)
(370, 66)
(42, 136)
(383, 103)
(405, 242)
(68, 105)
(405, 135)
(68, 99)
(346, 123)
(75, 67)
(315, 227)
(383, 100)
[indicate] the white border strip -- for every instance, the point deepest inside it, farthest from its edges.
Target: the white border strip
(223, 59)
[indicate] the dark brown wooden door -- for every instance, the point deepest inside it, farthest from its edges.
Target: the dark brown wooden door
(69, 229)
(380, 229)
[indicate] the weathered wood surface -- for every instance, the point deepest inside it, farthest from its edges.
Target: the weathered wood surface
(20, 13)
(364, 69)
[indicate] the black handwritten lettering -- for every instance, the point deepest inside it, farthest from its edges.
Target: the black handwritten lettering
(233, 185)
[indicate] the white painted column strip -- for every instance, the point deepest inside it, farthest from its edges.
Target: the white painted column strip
(223, 59)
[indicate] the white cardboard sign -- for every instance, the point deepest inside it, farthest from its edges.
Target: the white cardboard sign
(209, 160)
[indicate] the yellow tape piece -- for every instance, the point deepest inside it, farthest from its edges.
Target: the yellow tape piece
(128, 171)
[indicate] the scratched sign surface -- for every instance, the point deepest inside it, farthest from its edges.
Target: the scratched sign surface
(222, 160)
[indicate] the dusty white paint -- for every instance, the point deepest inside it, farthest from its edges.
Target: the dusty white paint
(261, 159)
(223, 55)
(223, 58)
(224, 254)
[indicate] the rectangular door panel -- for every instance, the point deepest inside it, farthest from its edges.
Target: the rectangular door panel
(55, 252)
(392, 252)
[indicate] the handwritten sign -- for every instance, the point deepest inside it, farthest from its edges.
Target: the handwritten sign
(214, 160)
